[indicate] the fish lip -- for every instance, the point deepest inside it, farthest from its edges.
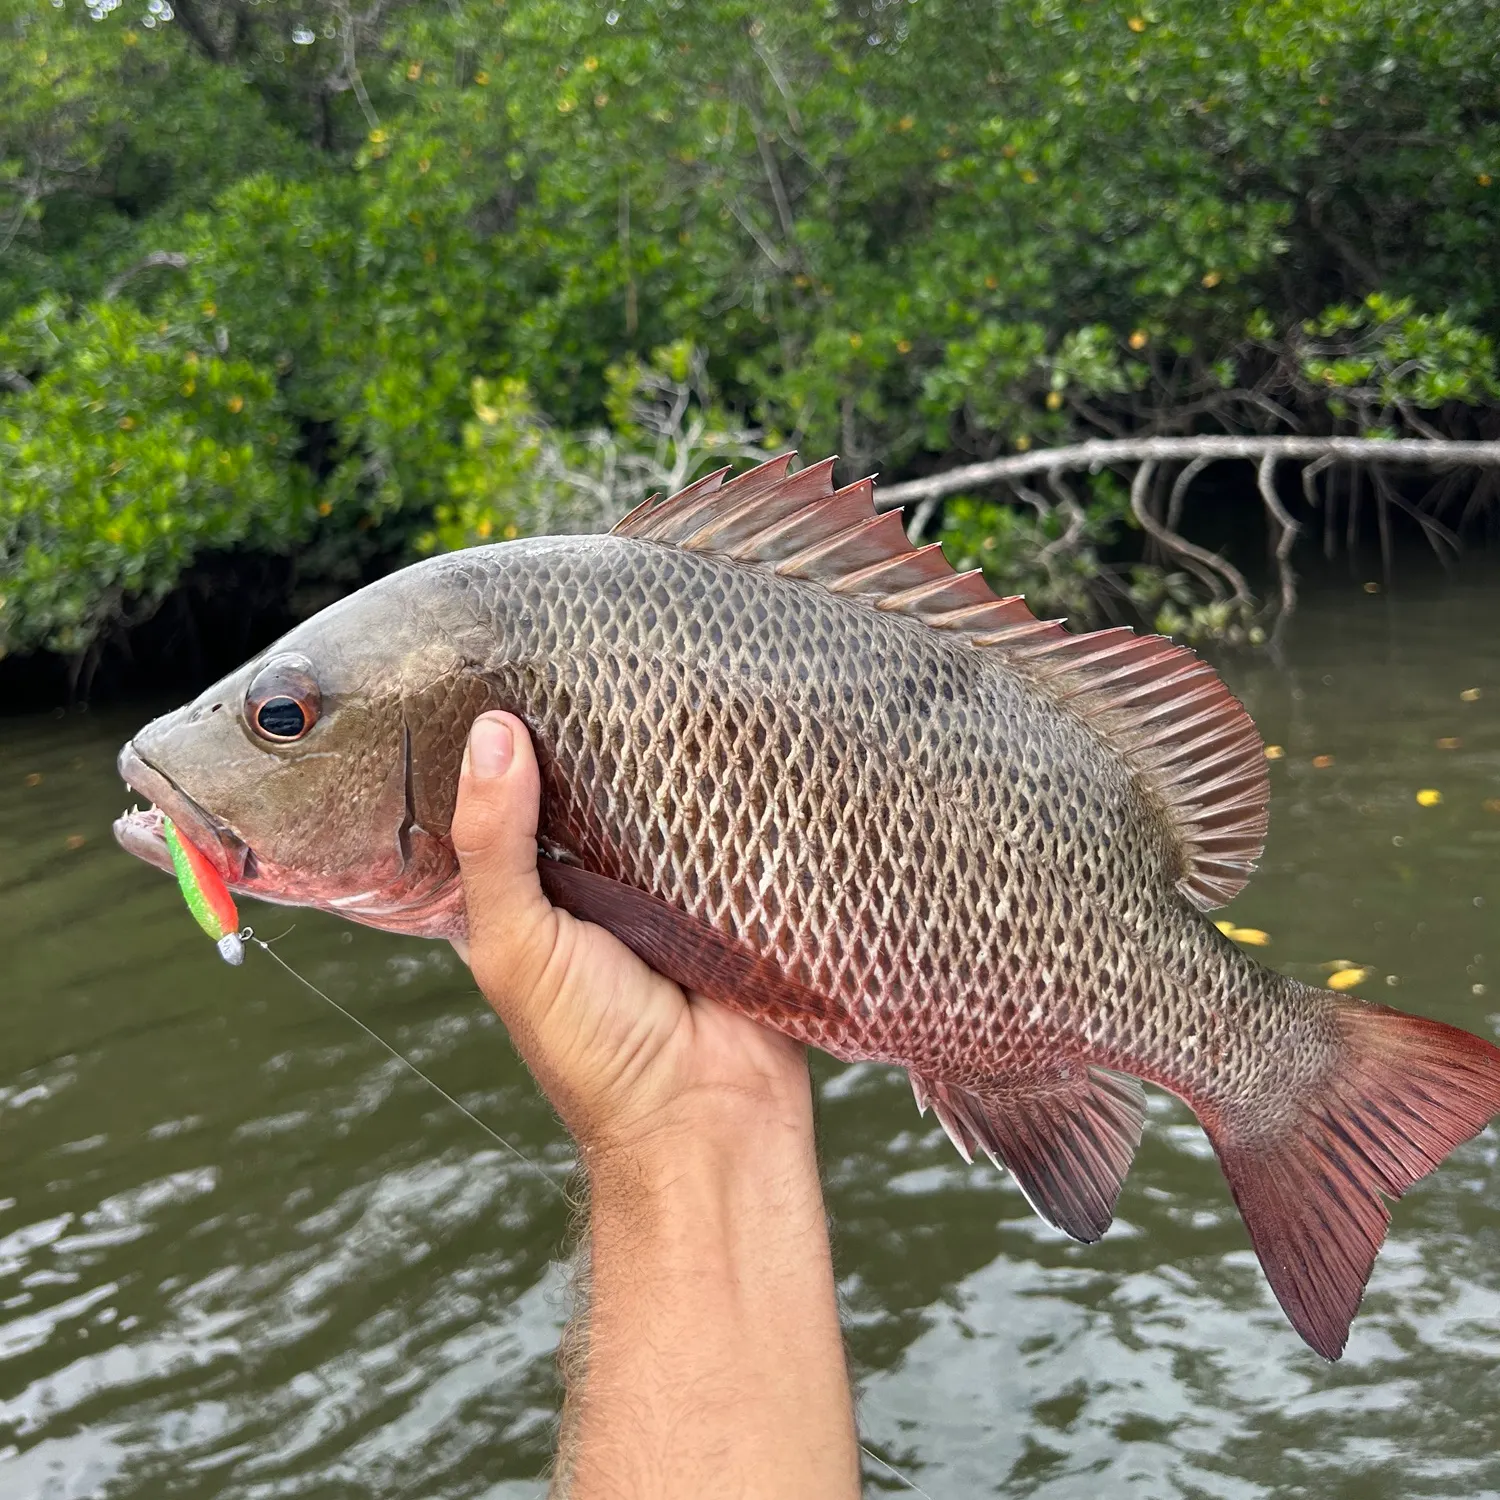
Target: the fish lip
(140, 833)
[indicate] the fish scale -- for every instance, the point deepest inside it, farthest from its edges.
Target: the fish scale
(802, 767)
(745, 763)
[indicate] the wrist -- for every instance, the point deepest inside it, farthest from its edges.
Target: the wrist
(707, 1165)
(651, 1133)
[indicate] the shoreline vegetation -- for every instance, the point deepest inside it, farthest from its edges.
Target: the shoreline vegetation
(344, 288)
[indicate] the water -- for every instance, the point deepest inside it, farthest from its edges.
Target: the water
(242, 1254)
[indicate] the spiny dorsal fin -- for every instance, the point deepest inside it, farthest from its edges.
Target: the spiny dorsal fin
(1164, 709)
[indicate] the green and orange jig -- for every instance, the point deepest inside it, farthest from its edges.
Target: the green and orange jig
(207, 896)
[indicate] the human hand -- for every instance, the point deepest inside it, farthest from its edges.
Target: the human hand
(628, 1059)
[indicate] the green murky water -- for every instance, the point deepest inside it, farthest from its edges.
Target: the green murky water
(242, 1254)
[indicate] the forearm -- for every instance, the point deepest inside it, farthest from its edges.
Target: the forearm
(715, 1363)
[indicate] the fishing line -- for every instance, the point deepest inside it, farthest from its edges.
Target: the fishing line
(911, 1484)
(248, 936)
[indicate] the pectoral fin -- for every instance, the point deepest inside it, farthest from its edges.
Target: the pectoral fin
(692, 952)
(1067, 1134)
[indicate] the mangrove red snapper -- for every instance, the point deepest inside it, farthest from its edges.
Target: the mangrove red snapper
(805, 768)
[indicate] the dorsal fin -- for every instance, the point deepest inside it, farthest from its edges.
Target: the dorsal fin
(1164, 709)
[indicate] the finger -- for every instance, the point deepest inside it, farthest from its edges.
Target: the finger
(512, 927)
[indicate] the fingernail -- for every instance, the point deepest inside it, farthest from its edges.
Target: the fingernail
(491, 746)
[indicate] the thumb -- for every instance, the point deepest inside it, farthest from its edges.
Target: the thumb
(513, 928)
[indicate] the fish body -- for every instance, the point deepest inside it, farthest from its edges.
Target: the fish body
(803, 767)
(967, 877)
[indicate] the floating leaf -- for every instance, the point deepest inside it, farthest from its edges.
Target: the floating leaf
(1322, 762)
(1346, 979)
(1252, 937)
(1429, 797)
(1449, 742)
(1275, 752)
(1470, 695)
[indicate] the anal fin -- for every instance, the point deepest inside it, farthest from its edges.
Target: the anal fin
(1066, 1133)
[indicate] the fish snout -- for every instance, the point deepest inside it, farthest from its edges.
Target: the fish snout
(140, 833)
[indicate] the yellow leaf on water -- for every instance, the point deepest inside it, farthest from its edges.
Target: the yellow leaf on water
(1252, 936)
(1346, 979)
(1429, 797)
(1322, 762)
(1470, 695)
(1275, 752)
(1491, 804)
(1227, 928)
(1449, 742)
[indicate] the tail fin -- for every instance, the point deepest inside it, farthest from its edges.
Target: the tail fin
(1406, 1093)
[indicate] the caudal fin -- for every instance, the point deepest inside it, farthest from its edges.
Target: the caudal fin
(1406, 1093)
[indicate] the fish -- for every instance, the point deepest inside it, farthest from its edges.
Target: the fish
(802, 766)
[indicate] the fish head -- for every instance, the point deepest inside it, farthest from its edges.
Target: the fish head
(323, 772)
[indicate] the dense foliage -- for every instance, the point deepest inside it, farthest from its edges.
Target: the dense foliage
(280, 269)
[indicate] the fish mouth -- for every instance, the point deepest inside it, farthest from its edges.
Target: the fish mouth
(140, 832)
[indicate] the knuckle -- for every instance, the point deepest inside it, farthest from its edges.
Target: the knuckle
(477, 824)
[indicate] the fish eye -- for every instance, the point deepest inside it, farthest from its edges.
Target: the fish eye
(283, 700)
(281, 718)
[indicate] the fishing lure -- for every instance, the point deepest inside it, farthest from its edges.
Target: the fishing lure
(206, 895)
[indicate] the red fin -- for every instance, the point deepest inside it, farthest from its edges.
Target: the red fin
(1407, 1091)
(691, 952)
(1066, 1134)
(1154, 702)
